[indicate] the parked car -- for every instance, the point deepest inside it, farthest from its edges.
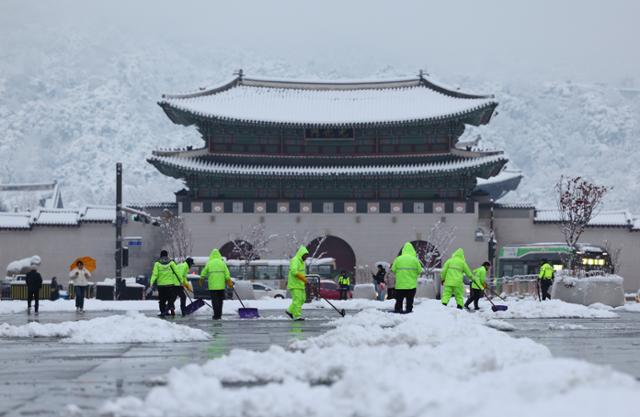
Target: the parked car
(331, 290)
(265, 291)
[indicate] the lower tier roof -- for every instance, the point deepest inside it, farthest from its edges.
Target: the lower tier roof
(177, 167)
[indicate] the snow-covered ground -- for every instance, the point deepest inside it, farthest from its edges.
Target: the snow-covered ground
(130, 328)
(437, 361)
(527, 308)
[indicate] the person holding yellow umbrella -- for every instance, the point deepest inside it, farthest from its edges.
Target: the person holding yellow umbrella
(80, 274)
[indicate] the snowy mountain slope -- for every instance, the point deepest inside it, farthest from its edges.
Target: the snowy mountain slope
(73, 106)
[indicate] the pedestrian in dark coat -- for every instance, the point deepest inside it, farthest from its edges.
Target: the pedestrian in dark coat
(55, 291)
(34, 283)
(378, 281)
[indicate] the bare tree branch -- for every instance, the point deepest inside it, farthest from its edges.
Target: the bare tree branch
(176, 235)
(251, 243)
(439, 240)
(578, 202)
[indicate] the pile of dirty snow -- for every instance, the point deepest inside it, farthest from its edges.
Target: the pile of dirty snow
(130, 328)
(379, 364)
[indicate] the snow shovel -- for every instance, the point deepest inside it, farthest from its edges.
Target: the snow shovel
(341, 311)
(495, 307)
(193, 306)
(245, 312)
(494, 293)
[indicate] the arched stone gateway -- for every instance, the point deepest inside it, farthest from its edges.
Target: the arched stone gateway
(334, 247)
(427, 253)
(237, 249)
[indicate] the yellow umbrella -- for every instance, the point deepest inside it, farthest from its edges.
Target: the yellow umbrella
(88, 262)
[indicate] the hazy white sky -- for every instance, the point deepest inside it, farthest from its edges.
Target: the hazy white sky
(581, 39)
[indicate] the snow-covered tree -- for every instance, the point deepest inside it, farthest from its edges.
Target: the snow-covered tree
(251, 243)
(176, 235)
(440, 237)
(578, 200)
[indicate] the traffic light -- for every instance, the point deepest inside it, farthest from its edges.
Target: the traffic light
(140, 218)
(125, 256)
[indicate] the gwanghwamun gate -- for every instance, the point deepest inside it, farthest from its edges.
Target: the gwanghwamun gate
(370, 165)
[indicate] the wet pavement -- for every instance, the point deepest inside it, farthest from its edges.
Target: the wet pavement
(41, 376)
(614, 342)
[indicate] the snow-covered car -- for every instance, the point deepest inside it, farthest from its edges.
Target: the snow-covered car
(265, 291)
(331, 290)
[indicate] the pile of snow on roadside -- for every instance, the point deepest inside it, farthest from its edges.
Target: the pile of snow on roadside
(381, 364)
(130, 328)
(550, 309)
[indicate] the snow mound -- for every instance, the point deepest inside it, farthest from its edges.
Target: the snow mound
(631, 307)
(378, 364)
(130, 328)
(550, 309)
(501, 325)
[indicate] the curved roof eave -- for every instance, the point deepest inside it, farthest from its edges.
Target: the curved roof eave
(175, 115)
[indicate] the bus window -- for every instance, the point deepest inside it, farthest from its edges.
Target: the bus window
(268, 272)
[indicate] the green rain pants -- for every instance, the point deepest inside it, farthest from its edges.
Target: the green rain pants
(298, 297)
(457, 292)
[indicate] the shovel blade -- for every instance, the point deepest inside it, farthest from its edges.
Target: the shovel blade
(194, 306)
(499, 308)
(248, 313)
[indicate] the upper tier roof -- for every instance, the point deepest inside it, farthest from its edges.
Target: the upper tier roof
(298, 103)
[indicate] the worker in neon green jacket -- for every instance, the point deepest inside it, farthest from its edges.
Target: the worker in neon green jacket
(546, 279)
(165, 277)
(296, 283)
(407, 269)
(478, 285)
(451, 275)
(344, 283)
(217, 275)
(183, 270)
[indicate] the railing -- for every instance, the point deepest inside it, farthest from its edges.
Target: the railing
(516, 285)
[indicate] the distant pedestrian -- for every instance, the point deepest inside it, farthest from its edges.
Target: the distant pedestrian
(34, 283)
(390, 280)
(54, 292)
(345, 284)
(478, 285)
(217, 274)
(407, 268)
(546, 276)
(183, 269)
(379, 282)
(80, 277)
(452, 278)
(296, 283)
(165, 277)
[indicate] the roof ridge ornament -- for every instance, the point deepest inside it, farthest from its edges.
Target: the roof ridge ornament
(240, 74)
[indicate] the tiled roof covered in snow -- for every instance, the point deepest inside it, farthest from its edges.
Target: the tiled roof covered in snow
(195, 165)
(57, 217)
(15, 221)
(613, 218)
(298, 103)
(519, 205)
(98, 214)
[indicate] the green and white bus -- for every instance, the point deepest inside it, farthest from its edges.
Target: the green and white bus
(515, 260)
